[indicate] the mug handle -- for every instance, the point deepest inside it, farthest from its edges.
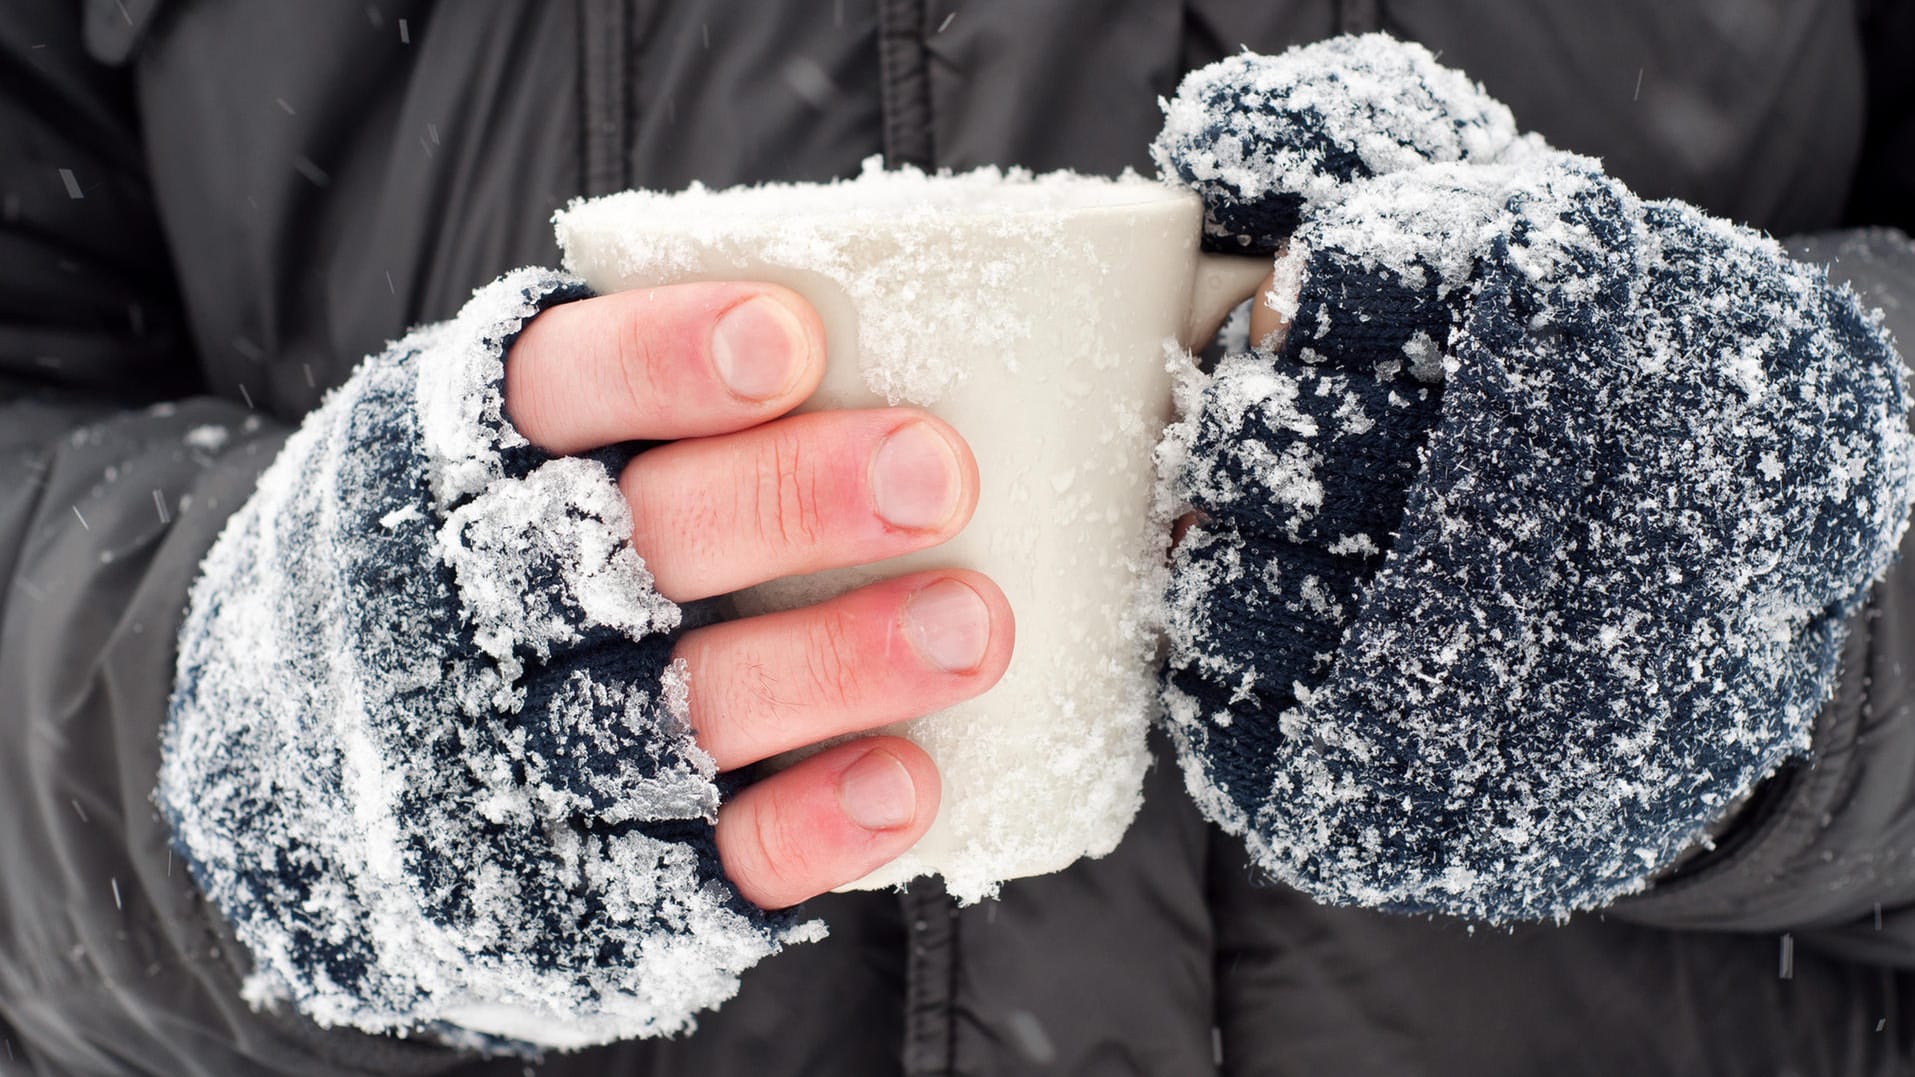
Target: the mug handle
(1221, 282)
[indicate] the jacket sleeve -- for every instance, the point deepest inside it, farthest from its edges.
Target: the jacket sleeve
(1823, 848)
(117, 471)
(426, 751)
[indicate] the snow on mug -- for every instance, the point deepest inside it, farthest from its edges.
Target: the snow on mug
(1032, 313)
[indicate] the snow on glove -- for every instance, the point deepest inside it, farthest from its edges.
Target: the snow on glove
(1266, 139)
(428, 752)
(1531, 546)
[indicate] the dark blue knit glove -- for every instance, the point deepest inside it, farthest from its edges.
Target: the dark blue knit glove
(428, 753)
(1265, 140)
(1530, 548)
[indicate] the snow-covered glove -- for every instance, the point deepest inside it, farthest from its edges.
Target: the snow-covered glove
(1267, 140)
(1529, 549)
(428, 751)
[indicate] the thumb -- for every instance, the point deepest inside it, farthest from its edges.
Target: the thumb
(1267, 141)
(1267, 326)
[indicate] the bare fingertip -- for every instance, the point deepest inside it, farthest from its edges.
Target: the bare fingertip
(760, 349)
(877, 792)
(917, 479)
(949, 625)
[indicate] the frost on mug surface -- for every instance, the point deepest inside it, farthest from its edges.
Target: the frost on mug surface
(1032, 313)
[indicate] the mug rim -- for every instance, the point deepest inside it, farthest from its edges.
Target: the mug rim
(977, 195)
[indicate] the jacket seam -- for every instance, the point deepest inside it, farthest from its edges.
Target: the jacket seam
(602, 106)
(931, 979)
(904, 94)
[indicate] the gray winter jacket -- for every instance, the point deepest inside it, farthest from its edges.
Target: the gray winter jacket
(212, 212)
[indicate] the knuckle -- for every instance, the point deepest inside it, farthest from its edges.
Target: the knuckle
(831, 662)
(789, 503)
(755, 705)
(782, 863)
(640, 367)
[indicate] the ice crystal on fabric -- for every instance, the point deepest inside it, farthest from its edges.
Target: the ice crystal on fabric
(1529, 549)
(428, 753)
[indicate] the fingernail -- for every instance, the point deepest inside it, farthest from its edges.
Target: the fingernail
(876, 792)
(949, 624)
(756, 347)
(914, 478)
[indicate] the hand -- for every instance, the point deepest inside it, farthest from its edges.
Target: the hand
(747, 497)
(1533, 431)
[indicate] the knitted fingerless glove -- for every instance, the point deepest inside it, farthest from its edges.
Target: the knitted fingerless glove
(1530, 548)
(428, 753)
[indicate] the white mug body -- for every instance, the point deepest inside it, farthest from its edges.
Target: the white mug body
(1034, 315)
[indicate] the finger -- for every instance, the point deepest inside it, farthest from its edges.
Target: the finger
(880, 654)
(1264, 319)
(1182, 525)
(659, 363)
(828, 820)
(804, 493)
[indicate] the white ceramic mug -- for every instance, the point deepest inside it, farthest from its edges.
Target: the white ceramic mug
(1033, 314)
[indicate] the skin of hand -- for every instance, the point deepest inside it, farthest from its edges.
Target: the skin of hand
(1266, 325)
(746, 493)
